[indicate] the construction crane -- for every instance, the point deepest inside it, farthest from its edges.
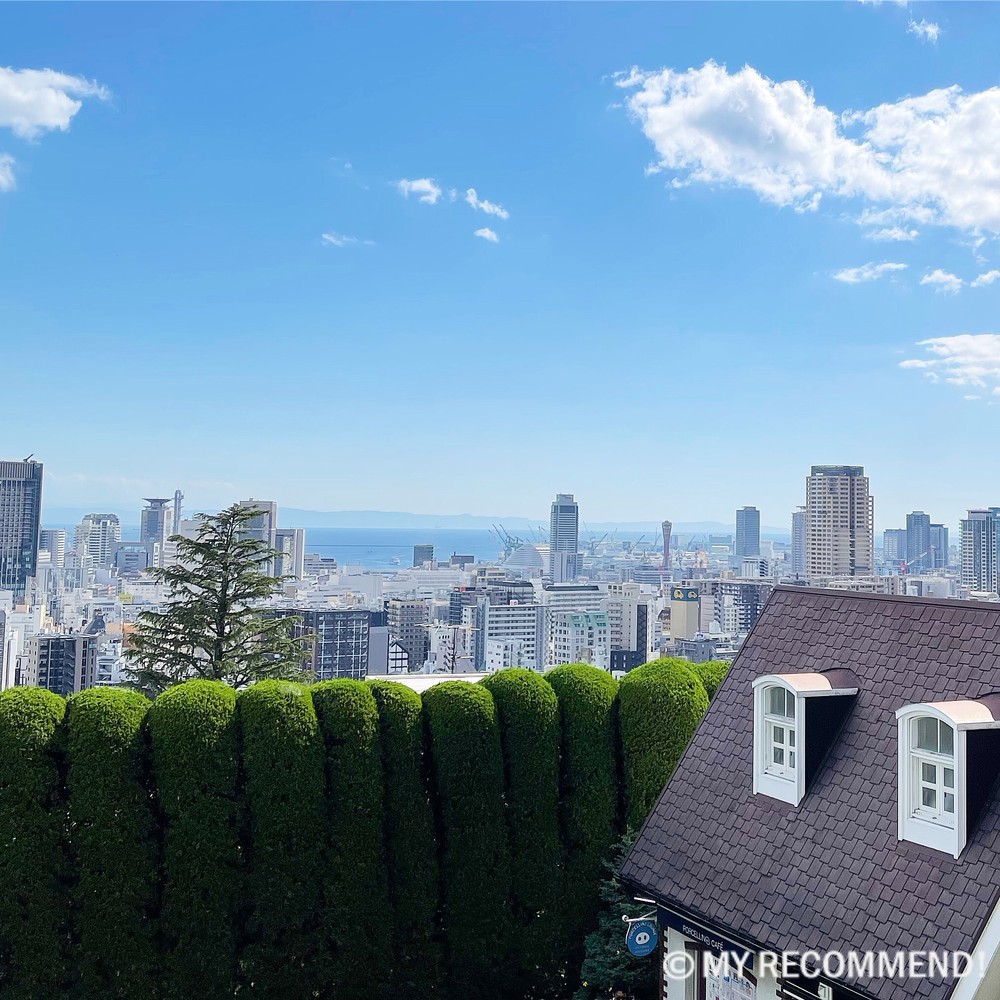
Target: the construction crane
(630, 547)
(508, 542)
(904, 565)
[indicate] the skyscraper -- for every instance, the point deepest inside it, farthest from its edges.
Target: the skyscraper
(263, 527)
(799, 542)
(564, 538)
(156, 521)
(840, 522)
(53, 541)
(919, 557)
(747, 533)
(20, 522)
(97, 536)
(894, 546)
(939, 545)
(979, 549)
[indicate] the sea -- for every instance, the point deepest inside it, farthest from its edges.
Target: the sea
(392, 548)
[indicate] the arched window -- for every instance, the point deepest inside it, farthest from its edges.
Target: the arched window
(932, 770)
(780, 743)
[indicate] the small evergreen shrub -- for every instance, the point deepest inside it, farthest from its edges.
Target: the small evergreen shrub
(411, 848)
(283, 787)
(467, 775)
(661, 705)
(356, 906)
(192, 730)
(712, 674)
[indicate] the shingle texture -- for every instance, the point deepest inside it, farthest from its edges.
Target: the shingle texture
(831, 874)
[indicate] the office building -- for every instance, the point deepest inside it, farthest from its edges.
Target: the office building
(840, 518)
(422, 554)
(263, 527)
(979, 549)
(747, 533)
(894, 547)
(156, 524)
(20, 522)
(685, 612)
(798, 567)
(407, 621)
(919, 552)
(939, 545)
(632, 618)
(291, 546)
(97, 536)
(338, 640)
(53, 541)
(564, 538)
(63, 664)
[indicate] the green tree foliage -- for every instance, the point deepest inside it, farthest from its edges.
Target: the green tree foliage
(712, 674)
(113, 845)
(192, 730)
(589, 793)
(661, 705)
(410, 844)
(284, 793)
(33, 910)
(356, 909)
(214, 627)
(528, 713)
(467, 771)
(608, 966)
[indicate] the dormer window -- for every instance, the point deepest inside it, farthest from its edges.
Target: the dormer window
(949, 759)
(795, 719)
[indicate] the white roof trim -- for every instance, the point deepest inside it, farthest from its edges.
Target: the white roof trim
(964, 714)
(804, 684)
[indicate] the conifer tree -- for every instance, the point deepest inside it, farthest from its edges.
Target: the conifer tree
(215, 625)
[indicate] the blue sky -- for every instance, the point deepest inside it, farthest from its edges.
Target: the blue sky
(706, 275)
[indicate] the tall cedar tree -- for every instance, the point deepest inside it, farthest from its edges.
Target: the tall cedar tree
(215, 626)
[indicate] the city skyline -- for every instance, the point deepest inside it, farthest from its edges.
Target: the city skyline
(263, 247)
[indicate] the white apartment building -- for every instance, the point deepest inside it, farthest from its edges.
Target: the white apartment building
(581, 637)
(520, 626)
(97, 536)
(839, 522)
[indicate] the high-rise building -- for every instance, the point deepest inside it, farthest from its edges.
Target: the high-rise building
(564, 538)
(581, 637)
(506, 634)
(840, 522)
(156, 521)
(422, 554)
(53, 541)
(747, 533)
(263, 526)
(979, 549)
(64, 664)
(339, 640)
(96, 536)
(919, 554)
(291, 546)
(407, 621)
(799, 542)
(894, 546)
(632, 617)
(20, 522)
(939, 545)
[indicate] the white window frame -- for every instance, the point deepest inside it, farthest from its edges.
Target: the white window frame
(931, 828)
(789, 783)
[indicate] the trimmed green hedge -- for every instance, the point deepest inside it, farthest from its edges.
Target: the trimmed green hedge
(284, 794)
(467, 771)
(661, 705)
(114, 850)
(33, 906)
(411, 848)
(356, 905)
(712, 674)
(528, 713)
(195, 753)
(589, 794)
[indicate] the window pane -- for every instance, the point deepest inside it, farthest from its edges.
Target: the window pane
(947, 743)
(949, 802)
(949, 778)
(791, 758)
(927, 733)
(779, 755)
(779, 734)
(776, 701)
(928, 797)
(789, 705)
(928, 773)
(791, 737)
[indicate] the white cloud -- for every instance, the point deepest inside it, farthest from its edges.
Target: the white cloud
(867, 272)
(34, 101)
(425, 187)
(6, 172)
(985, 279)
(942, 281)
(485, 206)
(927, 159)
(926, 31)
(340, 240)
(965, 360)
(487, 234)
(896, 234)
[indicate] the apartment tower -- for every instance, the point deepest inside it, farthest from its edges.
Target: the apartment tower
(840, 522)
(20, 523)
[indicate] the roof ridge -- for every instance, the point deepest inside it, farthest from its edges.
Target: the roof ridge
(943, 602)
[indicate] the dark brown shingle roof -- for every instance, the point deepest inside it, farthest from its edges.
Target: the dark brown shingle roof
(830, 874)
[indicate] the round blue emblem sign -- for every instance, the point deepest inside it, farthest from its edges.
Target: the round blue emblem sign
(641, 938)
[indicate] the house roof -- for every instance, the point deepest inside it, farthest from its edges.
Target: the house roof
(830, 873)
